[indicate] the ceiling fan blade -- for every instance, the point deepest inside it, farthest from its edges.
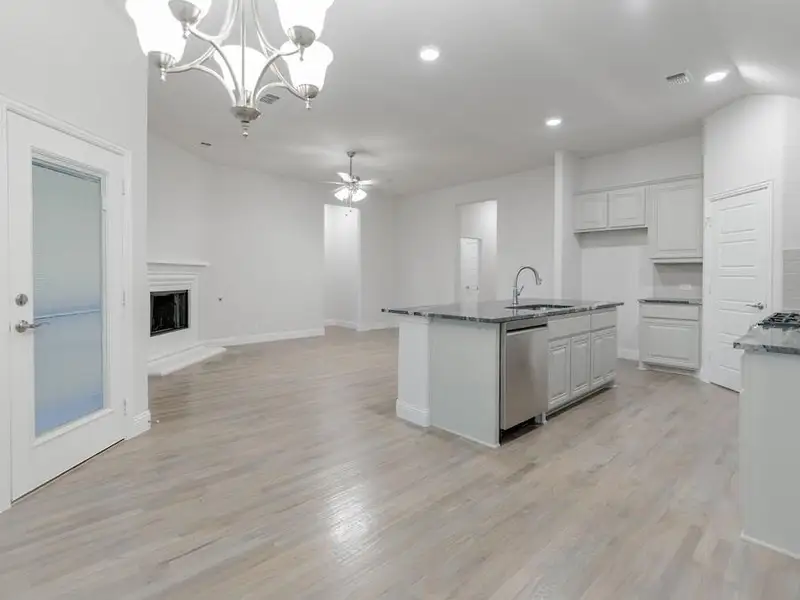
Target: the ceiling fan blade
(345, 177)
(340, 189)
(332, 182)
(368, 181)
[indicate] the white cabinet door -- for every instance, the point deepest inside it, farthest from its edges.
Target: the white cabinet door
(626, 208)
(676, 228)
(580, 366)
(558, 372)
(604, 357)
(590, 211)
(670, 342)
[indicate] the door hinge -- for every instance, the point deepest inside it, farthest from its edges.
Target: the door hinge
(125, 406)
(123, 187)
(124, 298)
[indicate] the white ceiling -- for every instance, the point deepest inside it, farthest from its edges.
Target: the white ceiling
(505, 66)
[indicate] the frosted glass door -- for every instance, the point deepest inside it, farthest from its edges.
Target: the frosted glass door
(69, 338)
(67, 296)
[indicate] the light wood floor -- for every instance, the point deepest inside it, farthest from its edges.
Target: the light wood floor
(280, 472)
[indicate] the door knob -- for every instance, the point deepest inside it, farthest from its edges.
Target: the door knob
(24, 326)
(758, 305)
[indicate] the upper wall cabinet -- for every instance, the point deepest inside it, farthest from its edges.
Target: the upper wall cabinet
(617, 209)
(676, 227)
(590, 212)
(626, 208)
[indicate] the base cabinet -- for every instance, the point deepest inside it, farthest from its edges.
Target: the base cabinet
(558, 372)
(604, 357)
(669, 335)
(580, 366)
(582, 360)
(671, 343)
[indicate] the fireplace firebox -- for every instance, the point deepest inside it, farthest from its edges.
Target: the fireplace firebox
(169, 311)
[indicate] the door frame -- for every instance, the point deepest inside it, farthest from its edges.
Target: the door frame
(124, 321)
(480, 265)
(775, 272)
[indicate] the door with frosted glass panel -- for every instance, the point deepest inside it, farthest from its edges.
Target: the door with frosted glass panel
(65, 261)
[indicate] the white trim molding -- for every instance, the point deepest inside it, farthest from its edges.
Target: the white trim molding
(139, 424)
(261, 338)
(772, 547)
(413, 414)
(340, 323)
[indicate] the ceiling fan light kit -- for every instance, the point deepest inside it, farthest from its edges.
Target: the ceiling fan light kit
(163, 27)
(351, 188)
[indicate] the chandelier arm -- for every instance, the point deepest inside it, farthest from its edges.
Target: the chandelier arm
(218, 77)
(270, 62)
(225, 31)
(216, 47)
(266, 47)
(287, 84)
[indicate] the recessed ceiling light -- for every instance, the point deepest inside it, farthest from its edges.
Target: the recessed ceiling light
(716, 76)
(553, 121)
(429, 53)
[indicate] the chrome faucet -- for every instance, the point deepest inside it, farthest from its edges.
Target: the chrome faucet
(517, 289)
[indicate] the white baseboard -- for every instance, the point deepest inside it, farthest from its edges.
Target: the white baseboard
(376, 326)
(628, 354)
(772, 547)
(261, 338)
(139, 424)
(339, 323)
(412, 414)
(180, 360)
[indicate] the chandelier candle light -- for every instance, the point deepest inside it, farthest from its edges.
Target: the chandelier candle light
(163, 26)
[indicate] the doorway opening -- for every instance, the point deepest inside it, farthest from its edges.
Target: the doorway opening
(342, 266)
(476, 279)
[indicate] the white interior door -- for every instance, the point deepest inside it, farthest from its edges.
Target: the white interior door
(740, 277)
(65, 276)
(470, 269)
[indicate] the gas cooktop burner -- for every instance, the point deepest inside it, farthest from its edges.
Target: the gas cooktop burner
(782, 319)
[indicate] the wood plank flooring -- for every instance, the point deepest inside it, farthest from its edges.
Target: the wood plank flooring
(280, 471)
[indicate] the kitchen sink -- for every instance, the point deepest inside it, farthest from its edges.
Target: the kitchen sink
(539, 306)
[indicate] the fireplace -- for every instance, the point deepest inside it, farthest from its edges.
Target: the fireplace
(169, 311)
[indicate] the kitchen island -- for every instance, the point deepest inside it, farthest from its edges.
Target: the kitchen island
(481, 369)
(769, 410)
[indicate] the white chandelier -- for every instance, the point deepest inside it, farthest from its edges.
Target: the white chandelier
(163, 26)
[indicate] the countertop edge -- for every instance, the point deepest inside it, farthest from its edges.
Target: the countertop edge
(679, 301)
(504, 319)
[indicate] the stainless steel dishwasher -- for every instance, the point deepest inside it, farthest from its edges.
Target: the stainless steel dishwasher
(523, 384)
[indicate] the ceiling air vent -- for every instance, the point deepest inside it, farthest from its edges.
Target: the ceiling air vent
(269, 98)
(679, 78)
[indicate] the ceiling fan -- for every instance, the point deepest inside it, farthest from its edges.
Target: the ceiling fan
(351, 187)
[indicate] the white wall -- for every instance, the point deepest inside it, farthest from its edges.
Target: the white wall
(616, 265)
(264, 239)
(479, 220)
(267, 257)
(641, 165)
(427, 230)
(342, 266)
(568, 265)
(178, 224)
(378, 260)
(49, 60)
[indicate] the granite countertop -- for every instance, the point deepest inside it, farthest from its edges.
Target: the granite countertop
(497, 311)
(667, 300)
(776, 340)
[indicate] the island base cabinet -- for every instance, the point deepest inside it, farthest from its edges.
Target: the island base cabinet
(604, 357)
(580, 364)
(558, 372)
